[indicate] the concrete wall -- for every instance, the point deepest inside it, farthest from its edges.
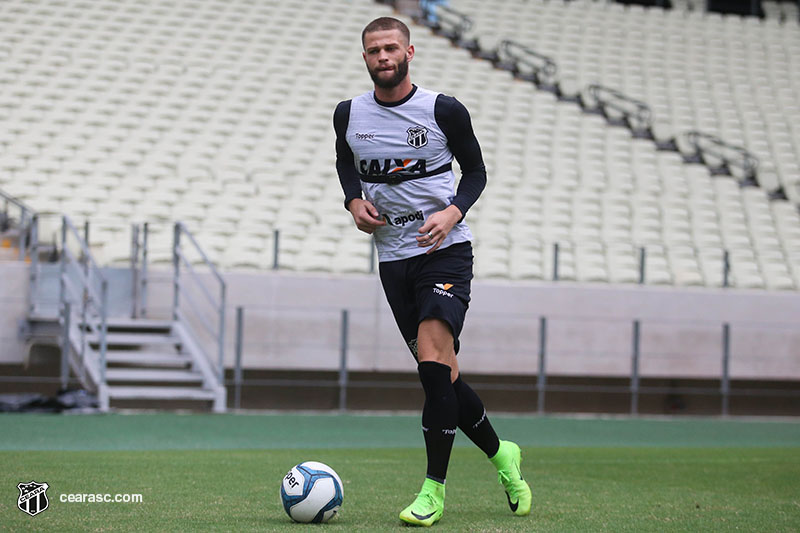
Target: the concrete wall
(293, 321)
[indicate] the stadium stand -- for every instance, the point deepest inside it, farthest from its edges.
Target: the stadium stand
(603, 42)
(729, 76)
(209, 113)
(218, 114)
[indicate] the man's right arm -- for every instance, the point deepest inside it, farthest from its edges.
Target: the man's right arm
(364, 213)
(351, 184)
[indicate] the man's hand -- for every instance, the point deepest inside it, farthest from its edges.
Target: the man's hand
(436, 228)
(365, 215)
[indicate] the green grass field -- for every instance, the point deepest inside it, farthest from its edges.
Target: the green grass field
(222, 472)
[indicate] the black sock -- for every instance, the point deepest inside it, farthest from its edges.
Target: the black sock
(439, 416)
(472, 419)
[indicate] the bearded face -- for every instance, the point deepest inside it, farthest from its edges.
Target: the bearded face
(385, 81)
(386, 55)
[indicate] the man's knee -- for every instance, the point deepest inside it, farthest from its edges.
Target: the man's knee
(435, 341)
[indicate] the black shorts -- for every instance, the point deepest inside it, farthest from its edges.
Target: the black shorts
(429, 286)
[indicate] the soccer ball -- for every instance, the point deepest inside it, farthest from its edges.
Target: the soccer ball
(311, 492)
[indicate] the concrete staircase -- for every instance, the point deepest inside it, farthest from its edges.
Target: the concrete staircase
(141, 360)
(147, 360)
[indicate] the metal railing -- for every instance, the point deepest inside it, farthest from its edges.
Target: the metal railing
(185, 277)
(83, 298)
(139, 269)
(641, 253)
(612, 103)
(554, 251)
(448, 22)
(33, 276)
(720, 156)
(24, 222)
(527, 64)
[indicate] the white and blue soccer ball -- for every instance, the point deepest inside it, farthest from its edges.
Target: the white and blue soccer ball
(311, 492)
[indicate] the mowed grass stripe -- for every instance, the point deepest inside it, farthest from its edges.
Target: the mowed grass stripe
(575, 489)
(168, 431)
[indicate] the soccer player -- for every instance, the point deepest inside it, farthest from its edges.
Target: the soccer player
(396, 145)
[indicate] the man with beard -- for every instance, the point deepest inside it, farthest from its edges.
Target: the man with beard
(396, 145)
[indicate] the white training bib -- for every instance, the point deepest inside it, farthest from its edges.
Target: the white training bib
(402, 158)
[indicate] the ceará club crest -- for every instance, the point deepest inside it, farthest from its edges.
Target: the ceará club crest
(32, 497)
(417, 136)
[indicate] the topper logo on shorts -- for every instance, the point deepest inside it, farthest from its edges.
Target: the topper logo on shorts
(402, 220)
(442, 289)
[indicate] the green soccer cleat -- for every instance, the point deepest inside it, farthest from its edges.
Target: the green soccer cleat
(507, 460)
(427, 509)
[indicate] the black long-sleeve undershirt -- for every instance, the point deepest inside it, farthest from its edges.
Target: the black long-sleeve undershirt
(454, 119)
(348, 177)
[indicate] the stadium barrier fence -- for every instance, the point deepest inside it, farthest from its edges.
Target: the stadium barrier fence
(139, 261)
(541, 386)
(538, 370)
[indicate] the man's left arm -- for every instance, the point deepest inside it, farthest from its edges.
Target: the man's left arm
(454, 120)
